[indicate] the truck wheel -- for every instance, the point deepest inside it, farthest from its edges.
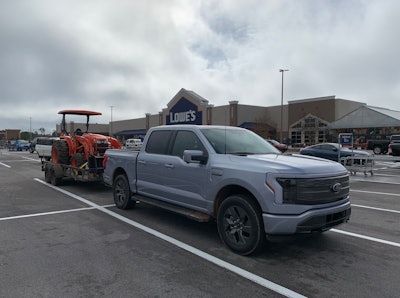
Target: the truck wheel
(377, 150)
(60, 152)
(240, 225)
(122, 192)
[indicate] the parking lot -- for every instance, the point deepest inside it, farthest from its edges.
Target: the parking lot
(71, 241)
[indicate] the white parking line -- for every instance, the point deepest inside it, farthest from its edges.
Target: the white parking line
(375, 208)
(52, 212)
(369, 180)
(3, 164)
(237, 270)
(45, 213)
(377, 192)
(30, 158)
(366, 237)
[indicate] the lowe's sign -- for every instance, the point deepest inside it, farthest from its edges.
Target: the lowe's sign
(184, 112)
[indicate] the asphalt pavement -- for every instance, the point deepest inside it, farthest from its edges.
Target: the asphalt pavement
(71, 241)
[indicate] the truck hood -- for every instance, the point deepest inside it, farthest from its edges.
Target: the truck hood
(291, 164)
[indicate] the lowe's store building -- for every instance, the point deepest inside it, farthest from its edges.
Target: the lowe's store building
(305, 121)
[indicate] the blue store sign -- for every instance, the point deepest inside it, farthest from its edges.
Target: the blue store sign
(346, 139)
(184, 112)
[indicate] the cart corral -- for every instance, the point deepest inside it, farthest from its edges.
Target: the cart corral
(354, 164)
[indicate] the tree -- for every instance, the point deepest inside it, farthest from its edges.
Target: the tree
(24, 135)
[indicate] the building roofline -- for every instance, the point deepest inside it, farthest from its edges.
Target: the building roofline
(312, 99)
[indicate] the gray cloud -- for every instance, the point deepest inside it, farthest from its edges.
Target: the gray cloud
(136, 55)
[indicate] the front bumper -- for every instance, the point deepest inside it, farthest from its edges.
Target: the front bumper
(318, 220)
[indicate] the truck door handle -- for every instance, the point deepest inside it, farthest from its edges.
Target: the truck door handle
(141, 162)
(169, 166)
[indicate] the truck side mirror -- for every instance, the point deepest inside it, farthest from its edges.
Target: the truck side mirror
(195, 156)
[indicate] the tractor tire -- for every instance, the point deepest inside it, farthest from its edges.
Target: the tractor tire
(60, 152)
(77, 160)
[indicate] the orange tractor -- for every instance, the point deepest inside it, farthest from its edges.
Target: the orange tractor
(78, 154)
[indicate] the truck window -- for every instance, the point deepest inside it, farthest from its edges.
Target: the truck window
(186, 140)
(158, 142)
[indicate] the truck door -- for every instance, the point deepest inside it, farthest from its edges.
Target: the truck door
(172, 179)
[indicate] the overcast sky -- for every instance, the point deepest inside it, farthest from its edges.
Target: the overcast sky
(135, 55)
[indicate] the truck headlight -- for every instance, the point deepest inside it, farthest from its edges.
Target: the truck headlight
(289, 190)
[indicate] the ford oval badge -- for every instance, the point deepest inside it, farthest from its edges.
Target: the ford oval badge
(337, 187)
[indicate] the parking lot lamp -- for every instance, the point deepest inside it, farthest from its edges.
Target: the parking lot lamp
(111, 128)
(282, 71)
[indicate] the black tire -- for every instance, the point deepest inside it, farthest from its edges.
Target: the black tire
(53, 178)
(122, 192)
(377, 150)
(77, 160)
(240, 225)
(47, 174)
(60, 152)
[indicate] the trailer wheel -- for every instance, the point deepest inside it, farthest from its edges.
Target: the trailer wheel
(47, 174)
(60, 152)
(122, 192)
(240, 225)
(54, 177)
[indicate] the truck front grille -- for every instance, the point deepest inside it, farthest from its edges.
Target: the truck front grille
(315, 191)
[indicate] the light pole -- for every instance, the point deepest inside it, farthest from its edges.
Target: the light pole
(30, 129)
(282, 71)
(111, 131)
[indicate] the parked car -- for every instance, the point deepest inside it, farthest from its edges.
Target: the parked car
(378, 146)
(281, 147)
(133, 144)
(22, 145)
(43, 147)
(32, 148)
(331, 151)
(394, 146)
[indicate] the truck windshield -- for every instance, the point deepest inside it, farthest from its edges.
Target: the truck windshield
(237, 141)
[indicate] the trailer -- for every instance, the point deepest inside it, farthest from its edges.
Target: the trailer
(54, 173)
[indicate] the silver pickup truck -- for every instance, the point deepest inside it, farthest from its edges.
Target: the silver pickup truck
(234, 176)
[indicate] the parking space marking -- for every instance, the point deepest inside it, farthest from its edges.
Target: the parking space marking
(377, 192)
(21, 160)
(221, 263)
(30, 158)
(46, 213)
(366, 237)
(369, 180)
(375, 208)
(52, 212)
(3, 164)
